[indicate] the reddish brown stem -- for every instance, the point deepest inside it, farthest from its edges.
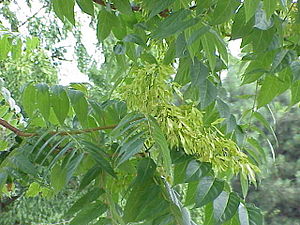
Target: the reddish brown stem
(20, 133)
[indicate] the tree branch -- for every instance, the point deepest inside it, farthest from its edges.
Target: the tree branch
(20, 133)
(164, 13)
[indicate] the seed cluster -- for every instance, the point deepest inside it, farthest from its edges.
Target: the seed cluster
(148, 92)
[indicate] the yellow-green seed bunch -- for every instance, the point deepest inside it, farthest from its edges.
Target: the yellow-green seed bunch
(148, 89)
(183, 125)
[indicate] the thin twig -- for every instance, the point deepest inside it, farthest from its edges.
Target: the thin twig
(31, 17)
(20, 133)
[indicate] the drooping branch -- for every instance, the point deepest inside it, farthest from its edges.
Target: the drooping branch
(20, 133)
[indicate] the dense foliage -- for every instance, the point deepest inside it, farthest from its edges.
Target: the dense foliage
(164, 143)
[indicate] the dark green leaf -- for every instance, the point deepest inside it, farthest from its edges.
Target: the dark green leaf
(80, 105)
(104, 25)
(58, 178)
(123, 6)
(98, 155)
(82, 202)
(29, 99)
(295, 90)
(22, 163)
(60, 103)
(208, 189)
(208, 93)
(271, 87)
(89, 176)
(223, 11)
(269, 7)
(162, 143)
(134, 38)
(86, 6)
(43, 100)
(131, 147)
(89, 213)
(65, 9)
(176, 23)
(250, 8)
(156, 7)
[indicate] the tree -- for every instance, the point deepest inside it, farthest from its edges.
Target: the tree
(164, 142)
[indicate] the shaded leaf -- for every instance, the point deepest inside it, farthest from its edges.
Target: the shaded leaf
(86, 6)
(89, 213)
(60, 103)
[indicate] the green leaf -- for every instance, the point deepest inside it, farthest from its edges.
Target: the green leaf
(80, 105)
(225, 206)
(209, 215)
(266, 124)
(60, 103)
(250, 215)
(295, 91)
(208, 93)
(260, 39)
(219, 205)
(98, 155)
(283, 59)
(250, 8)
(33, 190)
(170, 54)
(22, 163)
(89, 213)
(104, 24)
(16, 49)
(176, 23)
(123, 6)
(5, 47)
(223, 109)
(132, 146)
(261, 21)
(86, 199)
(157, 6)
(90, 176)
(209, 47)
(269, 7)
(183, 72)
(195, 170)
(255, 215)
(223, 11)
(197, 34)
(271, 87)
(240, 28)
(134, 38)
(65, 9)
(254, 143)
(146, 198)
(58, 178)
(86, 6)
(29, 99)
(162, 143)
(43, 100)
(57, 9)
(32, 43)
(243, 215)
(208, 189)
